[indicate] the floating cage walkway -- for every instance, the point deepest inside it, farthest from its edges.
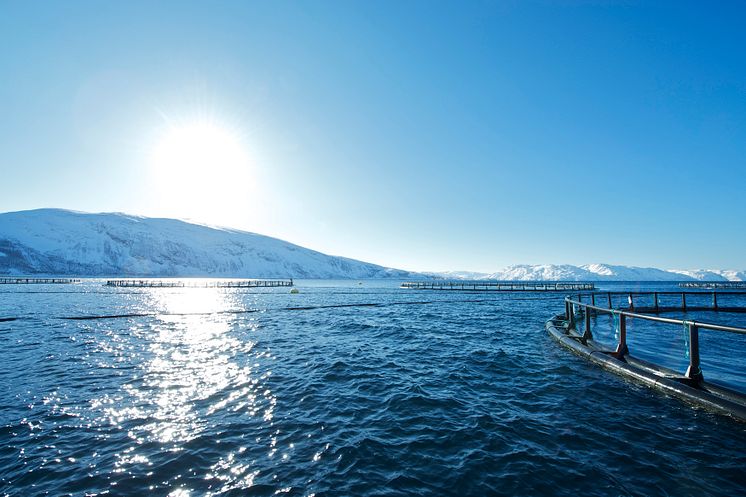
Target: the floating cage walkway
(37, 281)
(720, 285)
(499, 286)
(689, 386)
(131, 283)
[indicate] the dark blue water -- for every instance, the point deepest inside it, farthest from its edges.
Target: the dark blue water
(235, 392)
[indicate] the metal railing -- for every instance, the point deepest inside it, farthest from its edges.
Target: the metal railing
(506, 286)
(694, 370)
(723, 285)
(165, 283)
(656, 307)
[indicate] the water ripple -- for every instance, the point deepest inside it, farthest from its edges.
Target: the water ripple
(335, 391)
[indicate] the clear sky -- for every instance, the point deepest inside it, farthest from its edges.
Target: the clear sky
(419, 135)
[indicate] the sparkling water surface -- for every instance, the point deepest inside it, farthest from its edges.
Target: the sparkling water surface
(346, 388)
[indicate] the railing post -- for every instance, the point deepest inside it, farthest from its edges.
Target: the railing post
(587, 335)
(694, 372)
(683, 301)
(608, 295)
(715, 300)
(593, 299)
(570, 315)
(655, 296)
(621, 348)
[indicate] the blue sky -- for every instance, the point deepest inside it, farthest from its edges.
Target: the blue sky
(420, 135)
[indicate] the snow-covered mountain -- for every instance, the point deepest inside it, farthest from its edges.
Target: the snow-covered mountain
(455, 275)
(713, 274)
(600, 272)
(61, 242)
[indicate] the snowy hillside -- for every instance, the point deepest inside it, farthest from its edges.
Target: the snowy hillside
(60, 242)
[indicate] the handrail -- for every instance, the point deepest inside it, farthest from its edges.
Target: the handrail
(656, 303)
(41, 281)
(185, 283)
(708, 326)
(498, 285)
(669, 292)
(693, 372)
(713, 284)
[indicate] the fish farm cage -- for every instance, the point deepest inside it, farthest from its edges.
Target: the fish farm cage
(719, 285)
(586, 315)
(499, 286)
(182, 283)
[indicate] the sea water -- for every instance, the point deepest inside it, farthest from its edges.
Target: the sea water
(346, 388)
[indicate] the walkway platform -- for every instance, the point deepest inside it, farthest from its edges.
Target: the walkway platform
(711, 285)
(173, 283)
(37, 281)
(499, 286)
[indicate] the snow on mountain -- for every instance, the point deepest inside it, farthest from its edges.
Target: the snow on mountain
(62, 242)
(730, 274)
(630, 273)
(608, 272)
(713, 274)
(456, 275)
(542, 272)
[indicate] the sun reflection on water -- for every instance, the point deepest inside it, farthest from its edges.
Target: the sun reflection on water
(200, 361)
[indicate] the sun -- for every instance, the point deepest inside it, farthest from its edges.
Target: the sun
(199, 167)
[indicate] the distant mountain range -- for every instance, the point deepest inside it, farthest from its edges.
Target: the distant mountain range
(62, 242)
(596, 272)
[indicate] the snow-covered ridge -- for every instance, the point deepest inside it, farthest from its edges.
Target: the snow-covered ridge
(601, 272)
(62, 242)
(713, 274)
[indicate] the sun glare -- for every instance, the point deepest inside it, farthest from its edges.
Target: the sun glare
(199, 167)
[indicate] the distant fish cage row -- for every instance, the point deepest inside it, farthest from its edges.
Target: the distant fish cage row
(37, 281)
(129, 283)
(721, 285)
(499, 286)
